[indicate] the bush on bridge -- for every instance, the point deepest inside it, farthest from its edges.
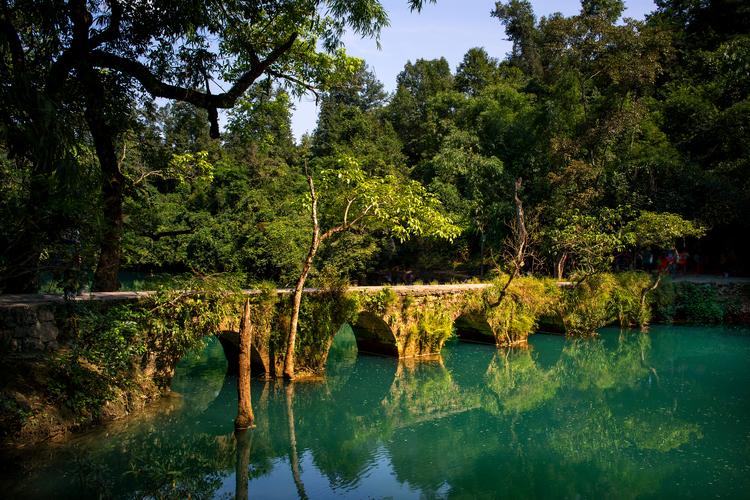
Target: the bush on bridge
(126, 350)
(516, 315)
(602, 299)
(630, 299)
(433, 326)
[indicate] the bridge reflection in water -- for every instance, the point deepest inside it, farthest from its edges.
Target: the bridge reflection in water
(480, 420)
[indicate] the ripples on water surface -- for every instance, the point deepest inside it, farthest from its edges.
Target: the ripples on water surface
(663, 415)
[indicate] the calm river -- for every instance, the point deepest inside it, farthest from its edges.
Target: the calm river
(664, 415)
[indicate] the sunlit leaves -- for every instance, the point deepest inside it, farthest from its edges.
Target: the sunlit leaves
(661, 230)
(190, 166)
(398, 206)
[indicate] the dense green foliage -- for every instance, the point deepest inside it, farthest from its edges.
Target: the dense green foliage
(121, 351)
(630, 137)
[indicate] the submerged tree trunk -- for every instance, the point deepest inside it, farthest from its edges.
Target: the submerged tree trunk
(297, 297)
(113, 185)
(244, 440)
(245, 418)
(294, 457)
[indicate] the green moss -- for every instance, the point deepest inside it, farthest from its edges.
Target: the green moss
(663, 301)
(434, 326)
(130, 349)
(380, 302)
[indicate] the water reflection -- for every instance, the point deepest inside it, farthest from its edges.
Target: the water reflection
(593, 418)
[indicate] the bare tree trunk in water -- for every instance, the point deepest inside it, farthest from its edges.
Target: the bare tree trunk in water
(245, 418)
(244, 440)
(297, 298)
(294, 458)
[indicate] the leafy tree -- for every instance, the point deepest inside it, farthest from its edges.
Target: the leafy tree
(589, 240)
(260, 125)
(477, 71)
(351, 122)
(354, 200)
(520, 24)
(661, 230)
(93, 58)
(412, 111)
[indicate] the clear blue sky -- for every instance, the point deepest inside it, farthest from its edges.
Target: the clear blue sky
(446, 29)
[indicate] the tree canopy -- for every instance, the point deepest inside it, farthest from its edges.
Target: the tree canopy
(630, 136)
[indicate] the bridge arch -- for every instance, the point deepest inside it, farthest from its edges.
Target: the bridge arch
(373, 335)
(473, 327)
(260, 362)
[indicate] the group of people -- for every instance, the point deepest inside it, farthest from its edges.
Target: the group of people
(671, 261)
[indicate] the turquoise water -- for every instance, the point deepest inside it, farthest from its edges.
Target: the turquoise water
(663, 415)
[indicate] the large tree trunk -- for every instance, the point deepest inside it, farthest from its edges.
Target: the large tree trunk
(108, 267)
(113, 186)
(245, 418)
(296, 303)
(297, 298)
(244, 440)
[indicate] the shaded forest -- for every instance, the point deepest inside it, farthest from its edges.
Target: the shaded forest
(113, 158)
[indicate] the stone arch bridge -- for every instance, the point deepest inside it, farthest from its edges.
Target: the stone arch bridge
(400, 321)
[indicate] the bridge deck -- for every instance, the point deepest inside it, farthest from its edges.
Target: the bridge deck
(16, 300)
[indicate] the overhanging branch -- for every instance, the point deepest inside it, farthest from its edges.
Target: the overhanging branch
(209, 102)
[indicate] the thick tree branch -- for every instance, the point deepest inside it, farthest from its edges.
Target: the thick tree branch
(346, 225)
(521, 238)
(81, 43)
(346, 210)
(82, 20)
(517, 245)
(207, 101)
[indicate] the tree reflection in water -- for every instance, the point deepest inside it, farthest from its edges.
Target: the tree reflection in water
(515, 428)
